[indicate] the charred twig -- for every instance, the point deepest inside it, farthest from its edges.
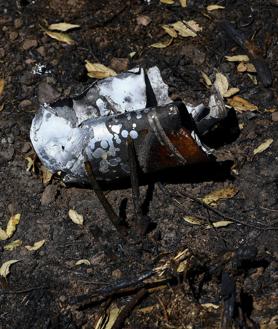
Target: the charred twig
(124, 314)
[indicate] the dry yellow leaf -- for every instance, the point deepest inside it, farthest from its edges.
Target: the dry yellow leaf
(237, 58)
(241, 105)
(183, 266)
(246, 67)
(187, 29)
(167, 2)
(193, 220)
(170, 30)
(214, 7)
(62, 27)
(12, 223)
(83, 261)
(162, 44)
(264, 146)
(5, 268)
(12, 245)
(230, 92)
(62, 37)
(221, 83)
(221, 223)
(46, 175)
(99, 71)
(3, 235)
(206, 79)
(223, 193)
(210, 305)
(2, 85)
(183, 3)
(75, 217)
(37, 245)
(30, 164)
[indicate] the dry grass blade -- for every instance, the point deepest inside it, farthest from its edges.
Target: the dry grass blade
(264, 146)
(62, 27)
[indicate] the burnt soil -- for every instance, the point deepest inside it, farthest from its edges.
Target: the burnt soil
(233, 267)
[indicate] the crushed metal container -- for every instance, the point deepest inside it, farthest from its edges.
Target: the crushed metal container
(96, 125)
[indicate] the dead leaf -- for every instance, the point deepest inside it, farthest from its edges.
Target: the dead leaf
(221, 83)
(3, 235)
(75, 217)
(221, 223)
(237, 58)
(107, 321)
(12, 223)
(193, 220)
(214, 7)
(62, 27)
(230, 92)
(206, 79)
(223, 193)
(62, 37)
(46, 175)
(183, 266)
(99, 71)
(170, 30)
(183, 3)
(264, 146)
(246, 67)
(83, 261)
(2, 85)
(37, 245)
(210, 305)
(30, 163)
(187, 28)
(12, 245)
(5, 268)
(162, 44)
(241, 105)
(167, 2)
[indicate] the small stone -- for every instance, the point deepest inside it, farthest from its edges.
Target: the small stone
(13, 35)
(29, 43)
(274, 116)
(18, 23)
(25, 103)
(119, 64)
(47, 94)
(49, 195)
(2, 52)
(143, 20)
(41, 51)
(7, 154)
(117, 274)
(26, 147)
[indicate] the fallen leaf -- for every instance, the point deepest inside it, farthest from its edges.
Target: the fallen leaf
(37, 245)
(187, 28)
(75, 217)
(230, 92)
(3, 235)
(221, 83)
(237, 58)
(46, 175)
(12, 245)
(62, 37)
(30, 163)
(206, 79)
(183, 266)
(214, 7)
(183, 3)
(63, 27)
(167, 2)
(2, 85)
(264, 146)
(107, 321)
(99, 71)
(83, 261)
(162, 44)
(221, 223)
(241, 105)
(210, 305)
(5, 268)
(246, 67)
(132, 54)
(12, 223)
(223, 193)
(170, 30)
(193, 220)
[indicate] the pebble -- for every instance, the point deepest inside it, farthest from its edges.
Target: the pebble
(25, 103)
(274, 116)
(26, 147)
(117, 274)
(18, 23)
(7, 154)
(41, 51)
(143, 20)
(13, 35)
(48, 195)
(119, 64)
(29, 43)
(2, 52)
(47, 94)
